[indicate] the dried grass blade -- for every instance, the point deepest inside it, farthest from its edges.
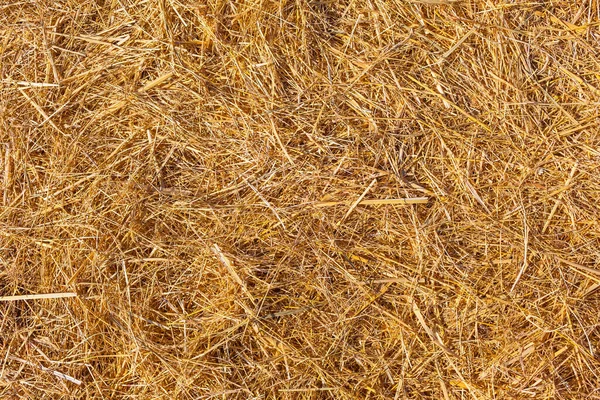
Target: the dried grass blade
(39, 296)
(376, 202)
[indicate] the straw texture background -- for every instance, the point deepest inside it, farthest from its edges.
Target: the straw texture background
(194, 171)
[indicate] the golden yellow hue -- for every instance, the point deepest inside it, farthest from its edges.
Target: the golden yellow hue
(298, 199)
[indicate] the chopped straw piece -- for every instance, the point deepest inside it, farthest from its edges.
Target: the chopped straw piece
(376, 202)
(38, 296)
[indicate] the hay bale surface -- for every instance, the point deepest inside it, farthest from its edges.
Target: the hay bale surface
(228, 190)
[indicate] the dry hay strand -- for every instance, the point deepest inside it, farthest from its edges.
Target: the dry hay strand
(299, 199)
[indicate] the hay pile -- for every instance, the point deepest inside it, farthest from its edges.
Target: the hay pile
(216, 180)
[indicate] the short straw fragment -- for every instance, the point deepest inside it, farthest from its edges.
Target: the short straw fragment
(376, 202)
(39, 296)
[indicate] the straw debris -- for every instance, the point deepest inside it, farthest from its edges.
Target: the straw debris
(377, 199)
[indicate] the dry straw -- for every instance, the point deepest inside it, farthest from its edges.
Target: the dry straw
(298, 199)
(38, 296)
